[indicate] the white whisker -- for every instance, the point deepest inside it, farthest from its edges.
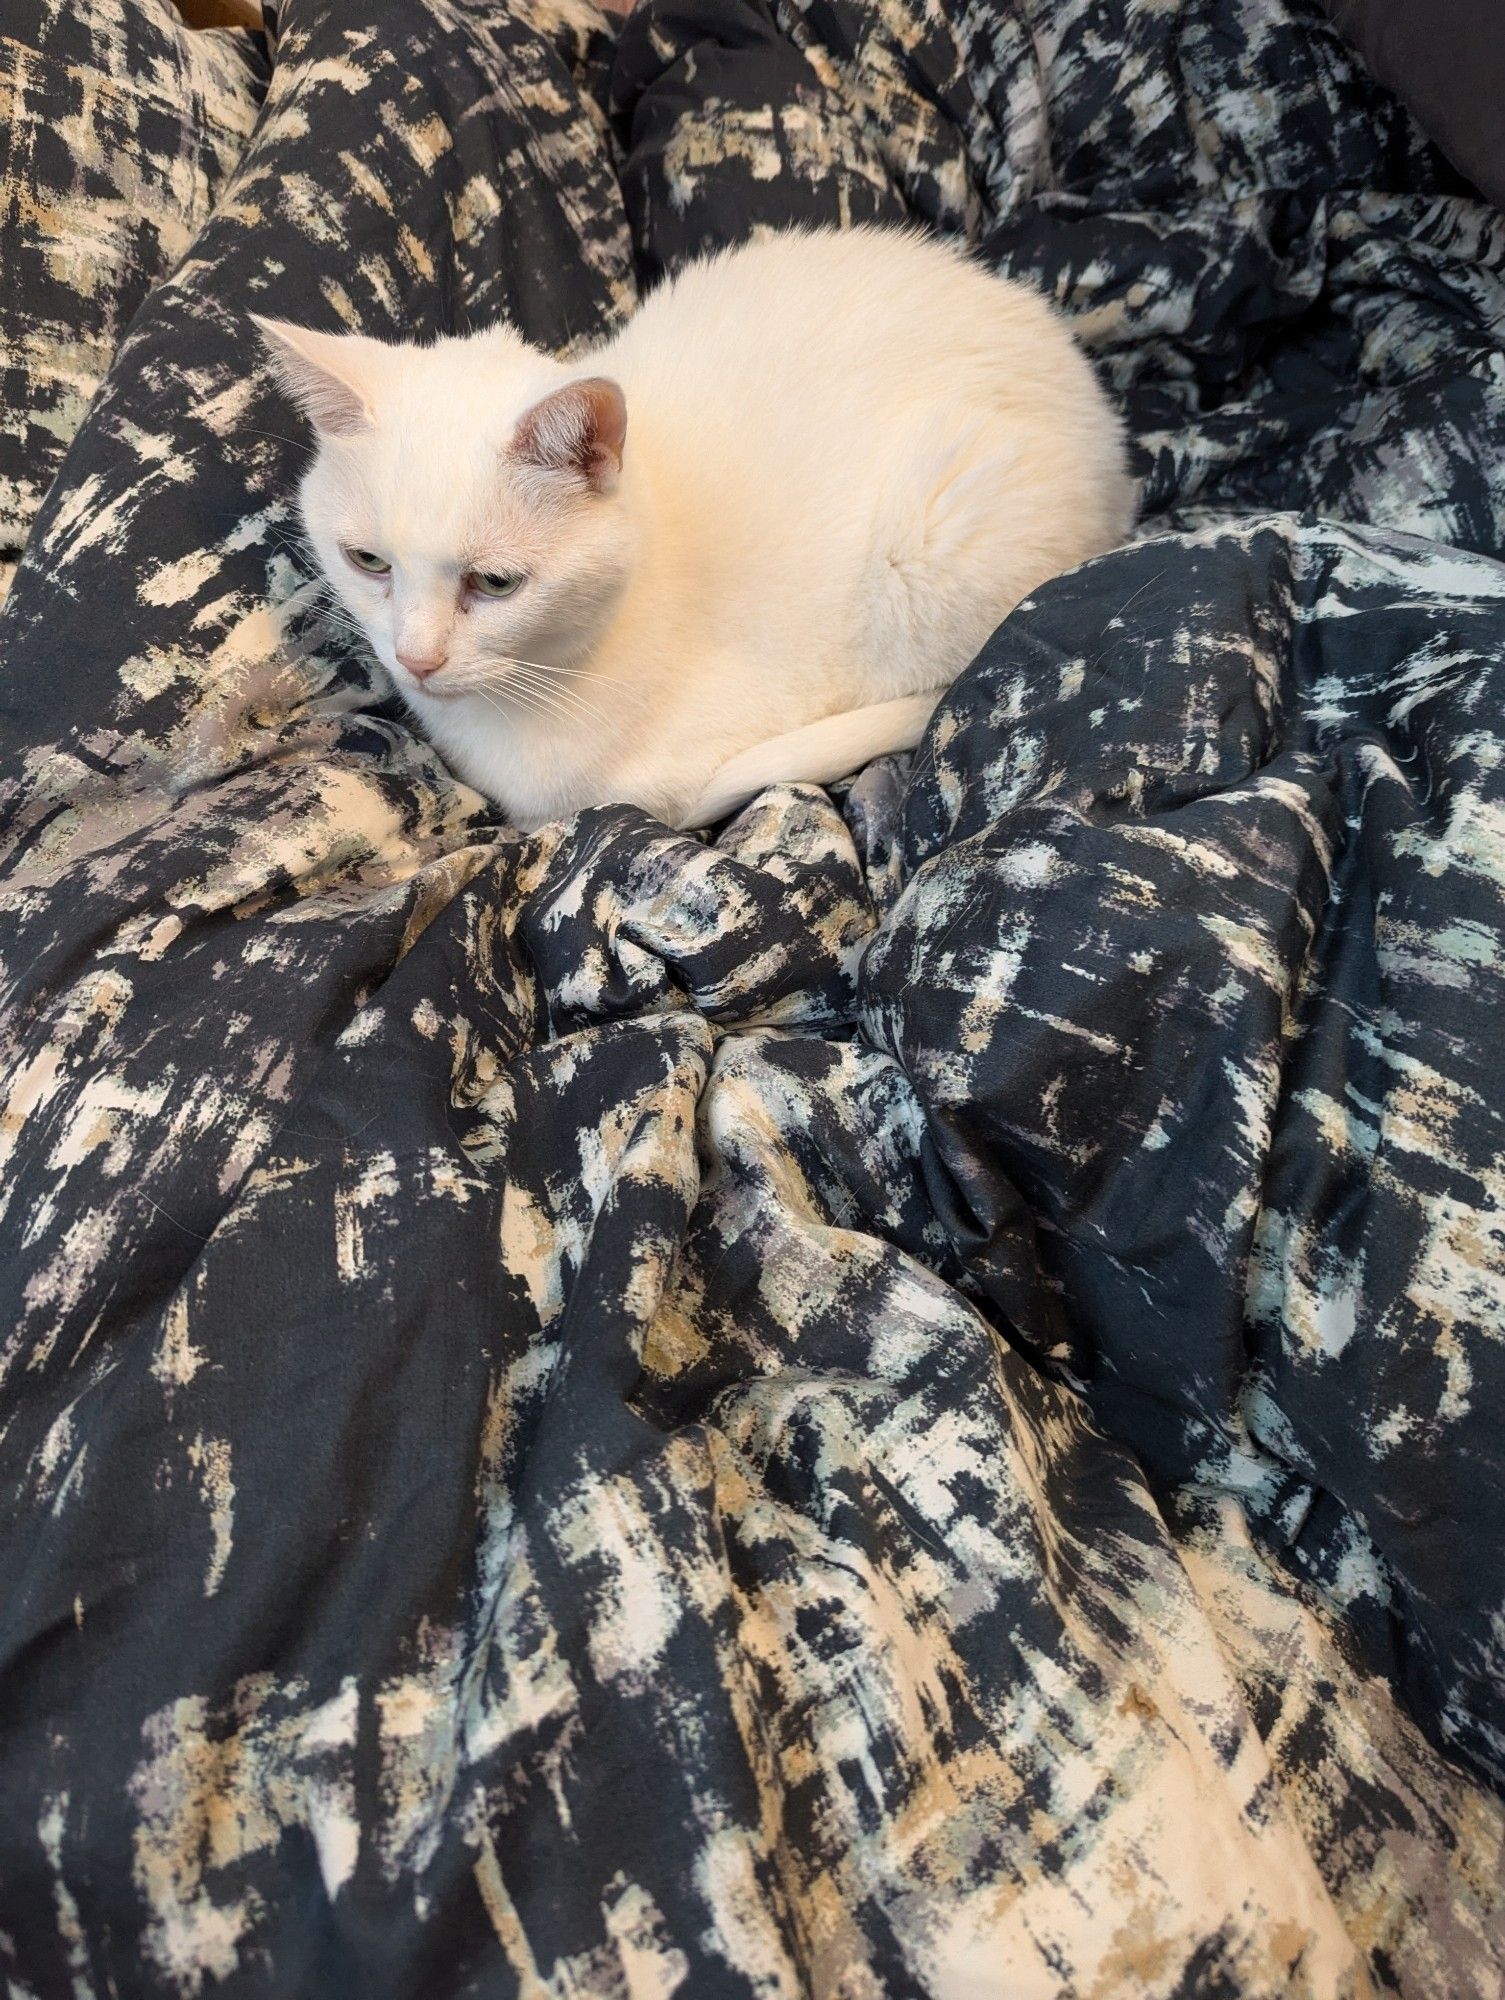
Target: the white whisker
(561, 701)
(553, 672)
(565, 697)
(547, 699)
(568, 673)
(526, 702)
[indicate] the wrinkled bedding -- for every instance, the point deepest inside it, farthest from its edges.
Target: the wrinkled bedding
(904, 1401)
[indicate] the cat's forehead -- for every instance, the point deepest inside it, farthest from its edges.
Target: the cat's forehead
(461, 397)
(436, 461)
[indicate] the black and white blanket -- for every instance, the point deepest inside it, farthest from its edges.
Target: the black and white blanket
(904, 1402)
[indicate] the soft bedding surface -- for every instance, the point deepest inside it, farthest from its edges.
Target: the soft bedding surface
(118, 129)
(903, 1402)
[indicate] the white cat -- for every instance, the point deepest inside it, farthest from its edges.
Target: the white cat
(810, 477)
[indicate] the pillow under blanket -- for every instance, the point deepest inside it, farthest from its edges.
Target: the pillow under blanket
(1446, 62)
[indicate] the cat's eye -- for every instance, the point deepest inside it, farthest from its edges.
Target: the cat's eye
(492, 583)
(372, 565)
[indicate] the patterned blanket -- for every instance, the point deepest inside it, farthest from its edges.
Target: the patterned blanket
(906, 1401)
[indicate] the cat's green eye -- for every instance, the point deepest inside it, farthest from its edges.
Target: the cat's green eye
(493, 583)
(372, 565)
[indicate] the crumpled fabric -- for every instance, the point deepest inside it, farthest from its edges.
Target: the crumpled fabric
(900, 1401)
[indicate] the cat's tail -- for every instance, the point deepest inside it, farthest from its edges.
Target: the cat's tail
(818, 754)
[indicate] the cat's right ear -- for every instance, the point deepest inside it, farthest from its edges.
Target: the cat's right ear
(322, 372)
(579, 430)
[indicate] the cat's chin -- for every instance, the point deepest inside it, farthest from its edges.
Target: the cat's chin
(419, 692)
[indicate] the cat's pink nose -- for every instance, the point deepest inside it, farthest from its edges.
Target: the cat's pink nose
(421, 665)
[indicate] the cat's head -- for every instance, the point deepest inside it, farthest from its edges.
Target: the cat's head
(464, 502)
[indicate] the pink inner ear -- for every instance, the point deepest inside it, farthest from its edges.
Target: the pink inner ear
(332, 406)
(310, 366)
(580, 428)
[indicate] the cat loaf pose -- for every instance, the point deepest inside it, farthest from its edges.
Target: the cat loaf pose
(750, 537)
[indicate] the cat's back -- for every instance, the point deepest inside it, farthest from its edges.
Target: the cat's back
(809, 365)
(837, 314)
(863, 449)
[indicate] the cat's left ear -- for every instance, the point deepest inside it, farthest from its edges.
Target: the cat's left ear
(324, 373)
(580, 429)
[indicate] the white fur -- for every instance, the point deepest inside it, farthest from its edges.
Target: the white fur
(821, 753)
(848, 455)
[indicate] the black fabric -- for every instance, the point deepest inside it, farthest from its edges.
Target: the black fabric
(1447, 61)
(902, 1401)
(119, 130)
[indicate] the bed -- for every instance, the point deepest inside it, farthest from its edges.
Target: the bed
(903, 1400)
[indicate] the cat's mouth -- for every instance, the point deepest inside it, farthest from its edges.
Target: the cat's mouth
(432, 687)
(452, 684)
